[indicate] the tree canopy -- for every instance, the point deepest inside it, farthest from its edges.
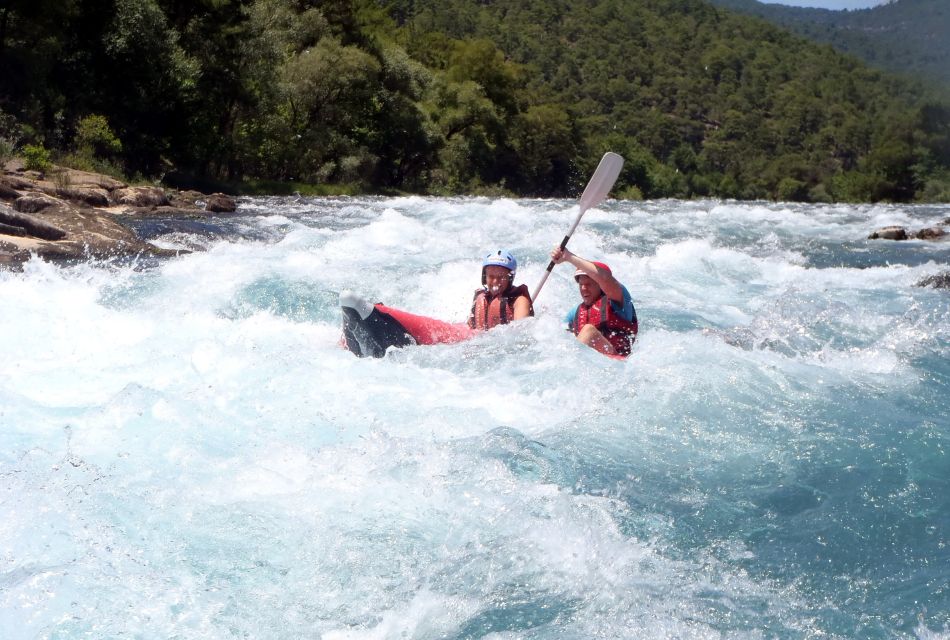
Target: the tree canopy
(903, 36)
(454, 96)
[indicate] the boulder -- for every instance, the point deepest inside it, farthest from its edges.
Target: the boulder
(889, 233)
(18, 183)
(939, 281)
(930, 233)
(140, 196)
(75, 178)
(92, 196)
(33, 202)
(10, 230)
(69, 184)
(7, 192)
(31, 225)
(185, 199)
(65, 215)
(87, 233)
(14, 165)
(171, 211)
(220, 203)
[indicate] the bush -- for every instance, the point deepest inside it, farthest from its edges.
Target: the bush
(700, 185)
(666, 182)
(95, 138)
(85, 162)
(6, 150)
(61, 179)
(9, 136)
(791, 190)
(728, 188)
(36, 158)
(937, 189)
(631, 192)
(76, 161)
(819, 193)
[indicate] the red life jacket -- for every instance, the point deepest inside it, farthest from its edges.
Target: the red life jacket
(619, 331)
(487, 313)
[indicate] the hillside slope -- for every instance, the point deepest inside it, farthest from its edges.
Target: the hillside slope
(903, 36)
(454, 96)
(703, 101)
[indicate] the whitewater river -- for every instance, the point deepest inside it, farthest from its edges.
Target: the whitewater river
(186, 452)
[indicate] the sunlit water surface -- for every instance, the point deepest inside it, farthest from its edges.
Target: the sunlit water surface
(186, 452)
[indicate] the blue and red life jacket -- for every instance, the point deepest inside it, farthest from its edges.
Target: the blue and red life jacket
(619, 331)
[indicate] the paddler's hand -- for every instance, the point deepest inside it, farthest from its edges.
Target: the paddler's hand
(559, 255)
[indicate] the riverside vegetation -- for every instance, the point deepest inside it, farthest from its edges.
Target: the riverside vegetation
(450, 96)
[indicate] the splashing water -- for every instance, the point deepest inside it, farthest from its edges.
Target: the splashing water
(186, 452)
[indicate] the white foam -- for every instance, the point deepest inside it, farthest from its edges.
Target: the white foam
(187, 449)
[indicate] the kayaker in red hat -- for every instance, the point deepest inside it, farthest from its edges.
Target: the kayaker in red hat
(605, 319)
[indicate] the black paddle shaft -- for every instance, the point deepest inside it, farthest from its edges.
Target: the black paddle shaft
(563, 246)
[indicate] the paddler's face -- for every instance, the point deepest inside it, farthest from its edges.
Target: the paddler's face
(497, 279)
(589, 289)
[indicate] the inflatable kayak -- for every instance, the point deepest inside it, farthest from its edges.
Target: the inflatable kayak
(370, 329)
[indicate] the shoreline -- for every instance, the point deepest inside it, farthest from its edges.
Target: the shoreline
(65, 214)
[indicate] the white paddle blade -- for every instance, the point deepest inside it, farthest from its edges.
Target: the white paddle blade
(597, 189)
(602, 181)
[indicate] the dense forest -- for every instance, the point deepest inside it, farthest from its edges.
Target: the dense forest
(453, 96)
(903, 36)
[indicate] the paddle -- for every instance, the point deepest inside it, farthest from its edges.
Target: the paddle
(595, 192)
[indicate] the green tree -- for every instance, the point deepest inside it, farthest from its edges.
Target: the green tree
(472, 130)
(481, 62)
(95, 138)
(544, 140)
(332, 90)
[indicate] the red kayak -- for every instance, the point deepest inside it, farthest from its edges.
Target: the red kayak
(370, 329)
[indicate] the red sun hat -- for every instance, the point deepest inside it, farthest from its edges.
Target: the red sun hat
(581, 272)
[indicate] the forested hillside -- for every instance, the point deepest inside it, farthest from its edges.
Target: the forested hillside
(452, 96)
(904, 36)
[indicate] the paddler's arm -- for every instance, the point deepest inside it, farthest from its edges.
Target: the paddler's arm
(607, 283)
(522, 307)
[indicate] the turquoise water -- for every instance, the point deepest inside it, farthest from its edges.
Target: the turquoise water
(185, 451)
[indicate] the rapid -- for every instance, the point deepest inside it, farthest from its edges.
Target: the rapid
(187, 452)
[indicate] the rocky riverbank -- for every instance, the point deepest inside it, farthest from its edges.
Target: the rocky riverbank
(64, 215)
(68, 215)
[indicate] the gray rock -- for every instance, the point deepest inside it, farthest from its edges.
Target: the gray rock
(80, 179)
(93, 196)
(140, 196)
(18, 183)
(10, 230)
(7, 192)
(59, 220)
(930, 233)
(220, 203)
(31, 225)
(185, 199)
(32, 203)
(171, 210)
(14, 165)
(889, 233)
(939, 281)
